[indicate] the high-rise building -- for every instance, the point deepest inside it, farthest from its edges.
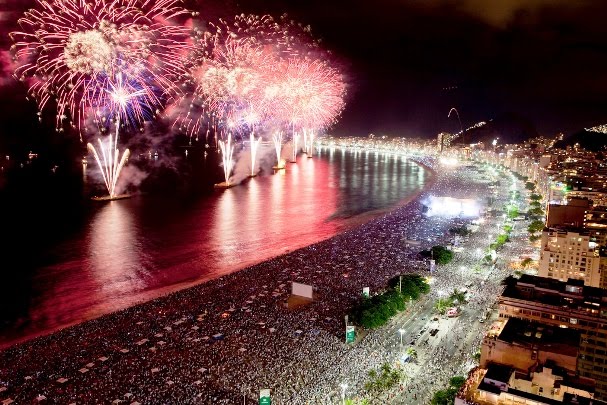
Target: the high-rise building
(571, 214)
(569, 254)
(567, 304)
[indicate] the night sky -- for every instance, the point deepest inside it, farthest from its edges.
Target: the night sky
(408, 62)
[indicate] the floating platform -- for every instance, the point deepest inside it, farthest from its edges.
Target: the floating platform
(110, 198)
(223, 185)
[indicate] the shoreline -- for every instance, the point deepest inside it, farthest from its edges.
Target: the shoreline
(350, 224)
(233, 335)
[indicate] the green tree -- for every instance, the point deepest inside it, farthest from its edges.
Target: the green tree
(386, 378)
(410, 289)
(356, 401)
(502, 239)
(530, 186)
(535, 197)
(421, 283)
(375, 311)
(458, 296)
(443, 397)
(512, 212)
(447, 396)
(535, 226)
(526, 262)
(441, 254)
(457, 381)
(442, 304)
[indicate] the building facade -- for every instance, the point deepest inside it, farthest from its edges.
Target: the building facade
(568, 254)
(565, 305)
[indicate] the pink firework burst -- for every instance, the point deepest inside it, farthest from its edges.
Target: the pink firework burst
(311, 93)
(228, 82)
(261, 71)
(70, 50)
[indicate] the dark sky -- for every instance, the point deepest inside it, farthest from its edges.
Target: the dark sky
(545, 60)
(409, 62)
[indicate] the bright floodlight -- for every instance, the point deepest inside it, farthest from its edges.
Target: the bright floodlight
(452, 207)
(448, 161)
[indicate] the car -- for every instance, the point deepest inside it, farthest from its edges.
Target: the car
(481, 320)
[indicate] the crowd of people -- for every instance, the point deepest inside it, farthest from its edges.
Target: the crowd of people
(223, 341)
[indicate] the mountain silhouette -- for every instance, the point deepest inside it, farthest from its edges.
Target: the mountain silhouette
(590, 140)
(506, 128)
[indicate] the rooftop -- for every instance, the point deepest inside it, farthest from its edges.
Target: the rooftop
(546, 338)
(498, 372)
(570, 294)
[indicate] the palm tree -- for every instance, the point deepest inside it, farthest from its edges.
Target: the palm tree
(458, 296)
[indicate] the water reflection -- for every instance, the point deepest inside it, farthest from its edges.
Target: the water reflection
(115, 258)
(126, 251)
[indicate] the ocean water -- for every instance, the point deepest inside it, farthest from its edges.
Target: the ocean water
(69, 259)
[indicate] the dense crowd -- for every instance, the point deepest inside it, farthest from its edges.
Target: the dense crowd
(224, 340)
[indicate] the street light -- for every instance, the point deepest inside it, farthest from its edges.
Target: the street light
(401, 331)
(343, 392)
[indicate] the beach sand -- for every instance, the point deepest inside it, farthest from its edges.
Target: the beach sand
(209, 342)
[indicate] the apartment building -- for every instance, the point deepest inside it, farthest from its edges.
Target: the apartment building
(565, 304)
(570, 254)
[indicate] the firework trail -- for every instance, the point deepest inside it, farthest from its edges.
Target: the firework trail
(295, 147)
(227, 151)
(254, 146)
(115, 61)
(110, 164)
(122, 100)
(277, 138)
(309, 142)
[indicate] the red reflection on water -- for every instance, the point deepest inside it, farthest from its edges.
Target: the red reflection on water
(137, 249)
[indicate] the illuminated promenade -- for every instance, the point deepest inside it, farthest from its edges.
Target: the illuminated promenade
(233, 336)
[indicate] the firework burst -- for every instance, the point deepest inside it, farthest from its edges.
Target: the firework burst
(312, 93)
(257, 66)
(69, 50)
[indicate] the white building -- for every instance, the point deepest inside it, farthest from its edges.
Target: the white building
(569, 254)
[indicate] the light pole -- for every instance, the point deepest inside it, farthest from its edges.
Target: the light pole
(402, 332)
(343, 393)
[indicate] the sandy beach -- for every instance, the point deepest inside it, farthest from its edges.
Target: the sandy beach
(216, 341)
